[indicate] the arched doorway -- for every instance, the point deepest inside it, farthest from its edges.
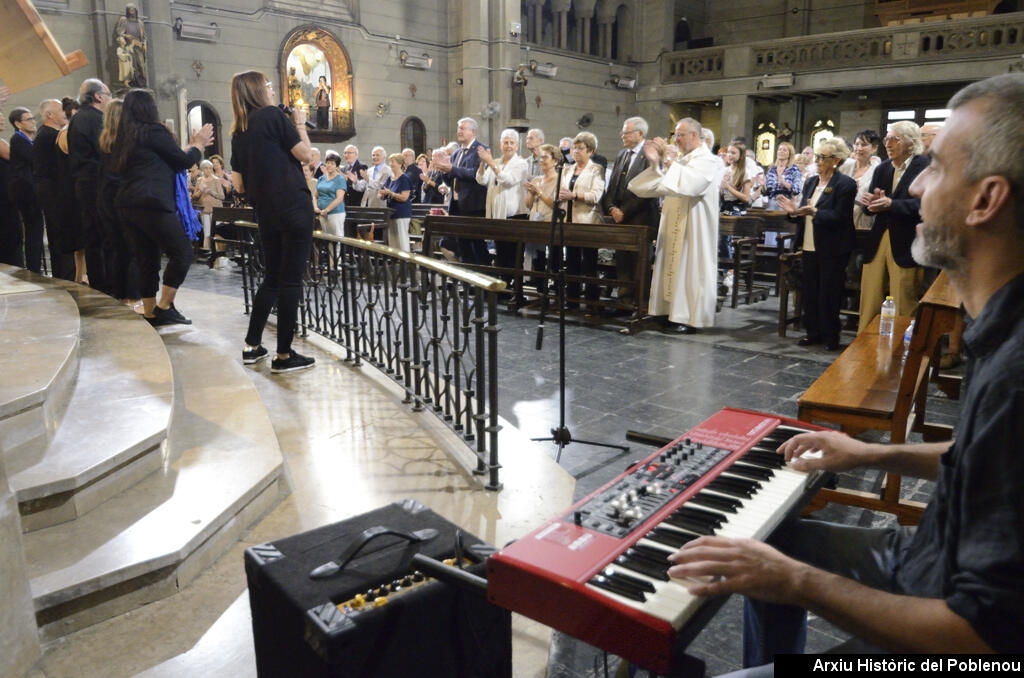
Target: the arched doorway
(414, 135)
(199, 113)
(316, 74)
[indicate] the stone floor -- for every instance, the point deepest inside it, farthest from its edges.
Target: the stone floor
(649, 382)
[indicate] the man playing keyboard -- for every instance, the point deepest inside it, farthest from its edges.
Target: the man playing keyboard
(955, 583)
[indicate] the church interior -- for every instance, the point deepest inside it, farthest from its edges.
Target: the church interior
(137, 467)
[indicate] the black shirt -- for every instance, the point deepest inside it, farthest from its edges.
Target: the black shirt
(19, 179)
(969, 546)
(44, 154)
(84, 144)
(149, 176)
(262, 154)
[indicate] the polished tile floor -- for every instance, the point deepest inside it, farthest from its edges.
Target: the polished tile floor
(648, 382)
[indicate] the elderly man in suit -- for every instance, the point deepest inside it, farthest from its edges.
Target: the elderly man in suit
(887, 255)
(622, 206)
(469, 199)
(351, 170)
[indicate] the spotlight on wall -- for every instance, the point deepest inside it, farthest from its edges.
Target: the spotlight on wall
(412, 61)
(186, 30)
(383, 108)
(548, 70)
(623, 82)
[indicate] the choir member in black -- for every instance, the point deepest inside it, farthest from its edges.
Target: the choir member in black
(268, 149)
(122, 269)
(21, 186)
(84, 145)
(69, 217)
(44, 174)
(148, 159)
(10, 223)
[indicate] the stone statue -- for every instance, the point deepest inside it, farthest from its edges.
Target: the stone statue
(130, 36)
(519, 81)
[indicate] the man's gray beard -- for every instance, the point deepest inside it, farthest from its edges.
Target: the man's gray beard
(946, 253)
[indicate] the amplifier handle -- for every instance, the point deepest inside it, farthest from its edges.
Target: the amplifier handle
(331, 568)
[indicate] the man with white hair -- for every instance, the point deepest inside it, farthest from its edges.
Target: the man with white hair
(622, 206)
(468, 199)
(928, 132)
(413, 172)
(534, 140)
(887, 257)
(684, 288)
(953, 583)
(373, 178)
(351, 169)
(44, 175)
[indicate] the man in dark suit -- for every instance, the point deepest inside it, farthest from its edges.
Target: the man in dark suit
(350, 170)
(621, 206)
(469, 199)
(887, 253)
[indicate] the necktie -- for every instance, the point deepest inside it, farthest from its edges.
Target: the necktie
(620, 189)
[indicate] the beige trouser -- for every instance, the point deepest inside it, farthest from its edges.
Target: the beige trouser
(904, 284)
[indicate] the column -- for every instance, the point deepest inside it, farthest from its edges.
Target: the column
(159, 54)
(579, 35)
(737, 117)
(586, 35)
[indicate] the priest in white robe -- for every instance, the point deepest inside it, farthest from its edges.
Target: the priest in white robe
(685, 283)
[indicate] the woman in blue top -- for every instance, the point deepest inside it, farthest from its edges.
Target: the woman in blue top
(330, 196)
(398, 192)
(783, 178)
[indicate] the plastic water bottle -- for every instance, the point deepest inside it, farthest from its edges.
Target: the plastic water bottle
(907, 336)
(888, 319)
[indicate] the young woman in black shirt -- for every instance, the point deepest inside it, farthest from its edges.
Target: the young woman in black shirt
(148, 159)
(268, 149)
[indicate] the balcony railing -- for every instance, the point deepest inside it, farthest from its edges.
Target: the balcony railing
(430, 326)
(991, 36)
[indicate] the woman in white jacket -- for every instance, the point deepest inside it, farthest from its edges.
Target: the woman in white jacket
(505, 179)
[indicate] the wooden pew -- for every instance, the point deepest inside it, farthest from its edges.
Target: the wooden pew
(878, 384)
(619, 237)
(361, 216)
(747, 232)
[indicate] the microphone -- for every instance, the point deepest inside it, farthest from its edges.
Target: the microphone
(288, 111)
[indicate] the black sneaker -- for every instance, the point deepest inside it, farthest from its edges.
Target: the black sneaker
(170, 316)
(254, 356)
(293, 363)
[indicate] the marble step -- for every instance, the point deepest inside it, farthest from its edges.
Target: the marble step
(116, 417)
(39, 329)
(220, 469)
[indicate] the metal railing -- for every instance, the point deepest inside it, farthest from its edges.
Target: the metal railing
(430, 326)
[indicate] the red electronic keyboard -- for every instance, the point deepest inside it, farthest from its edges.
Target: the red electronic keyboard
(598, 572)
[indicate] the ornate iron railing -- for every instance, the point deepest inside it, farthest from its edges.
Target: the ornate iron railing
(430, 326)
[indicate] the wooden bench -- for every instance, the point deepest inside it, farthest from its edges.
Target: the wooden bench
(878, 384)
(358, 216)
(619, 237)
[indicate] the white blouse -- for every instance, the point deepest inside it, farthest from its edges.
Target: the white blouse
(506, 195)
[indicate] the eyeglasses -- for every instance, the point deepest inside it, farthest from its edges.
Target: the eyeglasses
(28, 119)
(819, 156)
(628, 132)
(269, 85)
(892, 139)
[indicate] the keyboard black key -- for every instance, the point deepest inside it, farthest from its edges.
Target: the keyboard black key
(698, 526)
(718, 486)
(716, 501)
(740, 483)
(607, 584)
(669, 537)
(629, 580)
(753, 472)
(643, 566)
(700, 514)
(649, 552)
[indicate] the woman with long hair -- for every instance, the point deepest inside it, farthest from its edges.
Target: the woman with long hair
(738, 179)
(148, 159)
(122, 271)
(268, 150)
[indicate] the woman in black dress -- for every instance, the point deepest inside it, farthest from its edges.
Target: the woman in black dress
(148, 159)
(268, 149)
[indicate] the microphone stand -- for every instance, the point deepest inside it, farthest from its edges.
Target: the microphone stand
(561, 436)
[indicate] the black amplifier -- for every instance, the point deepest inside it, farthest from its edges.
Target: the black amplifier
(375, 616)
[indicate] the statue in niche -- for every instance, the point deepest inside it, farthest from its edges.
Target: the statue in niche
(130, 36)
(323, 103)
(519, 81)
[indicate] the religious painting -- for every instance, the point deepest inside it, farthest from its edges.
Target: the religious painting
(316, 76)
(765, 140)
